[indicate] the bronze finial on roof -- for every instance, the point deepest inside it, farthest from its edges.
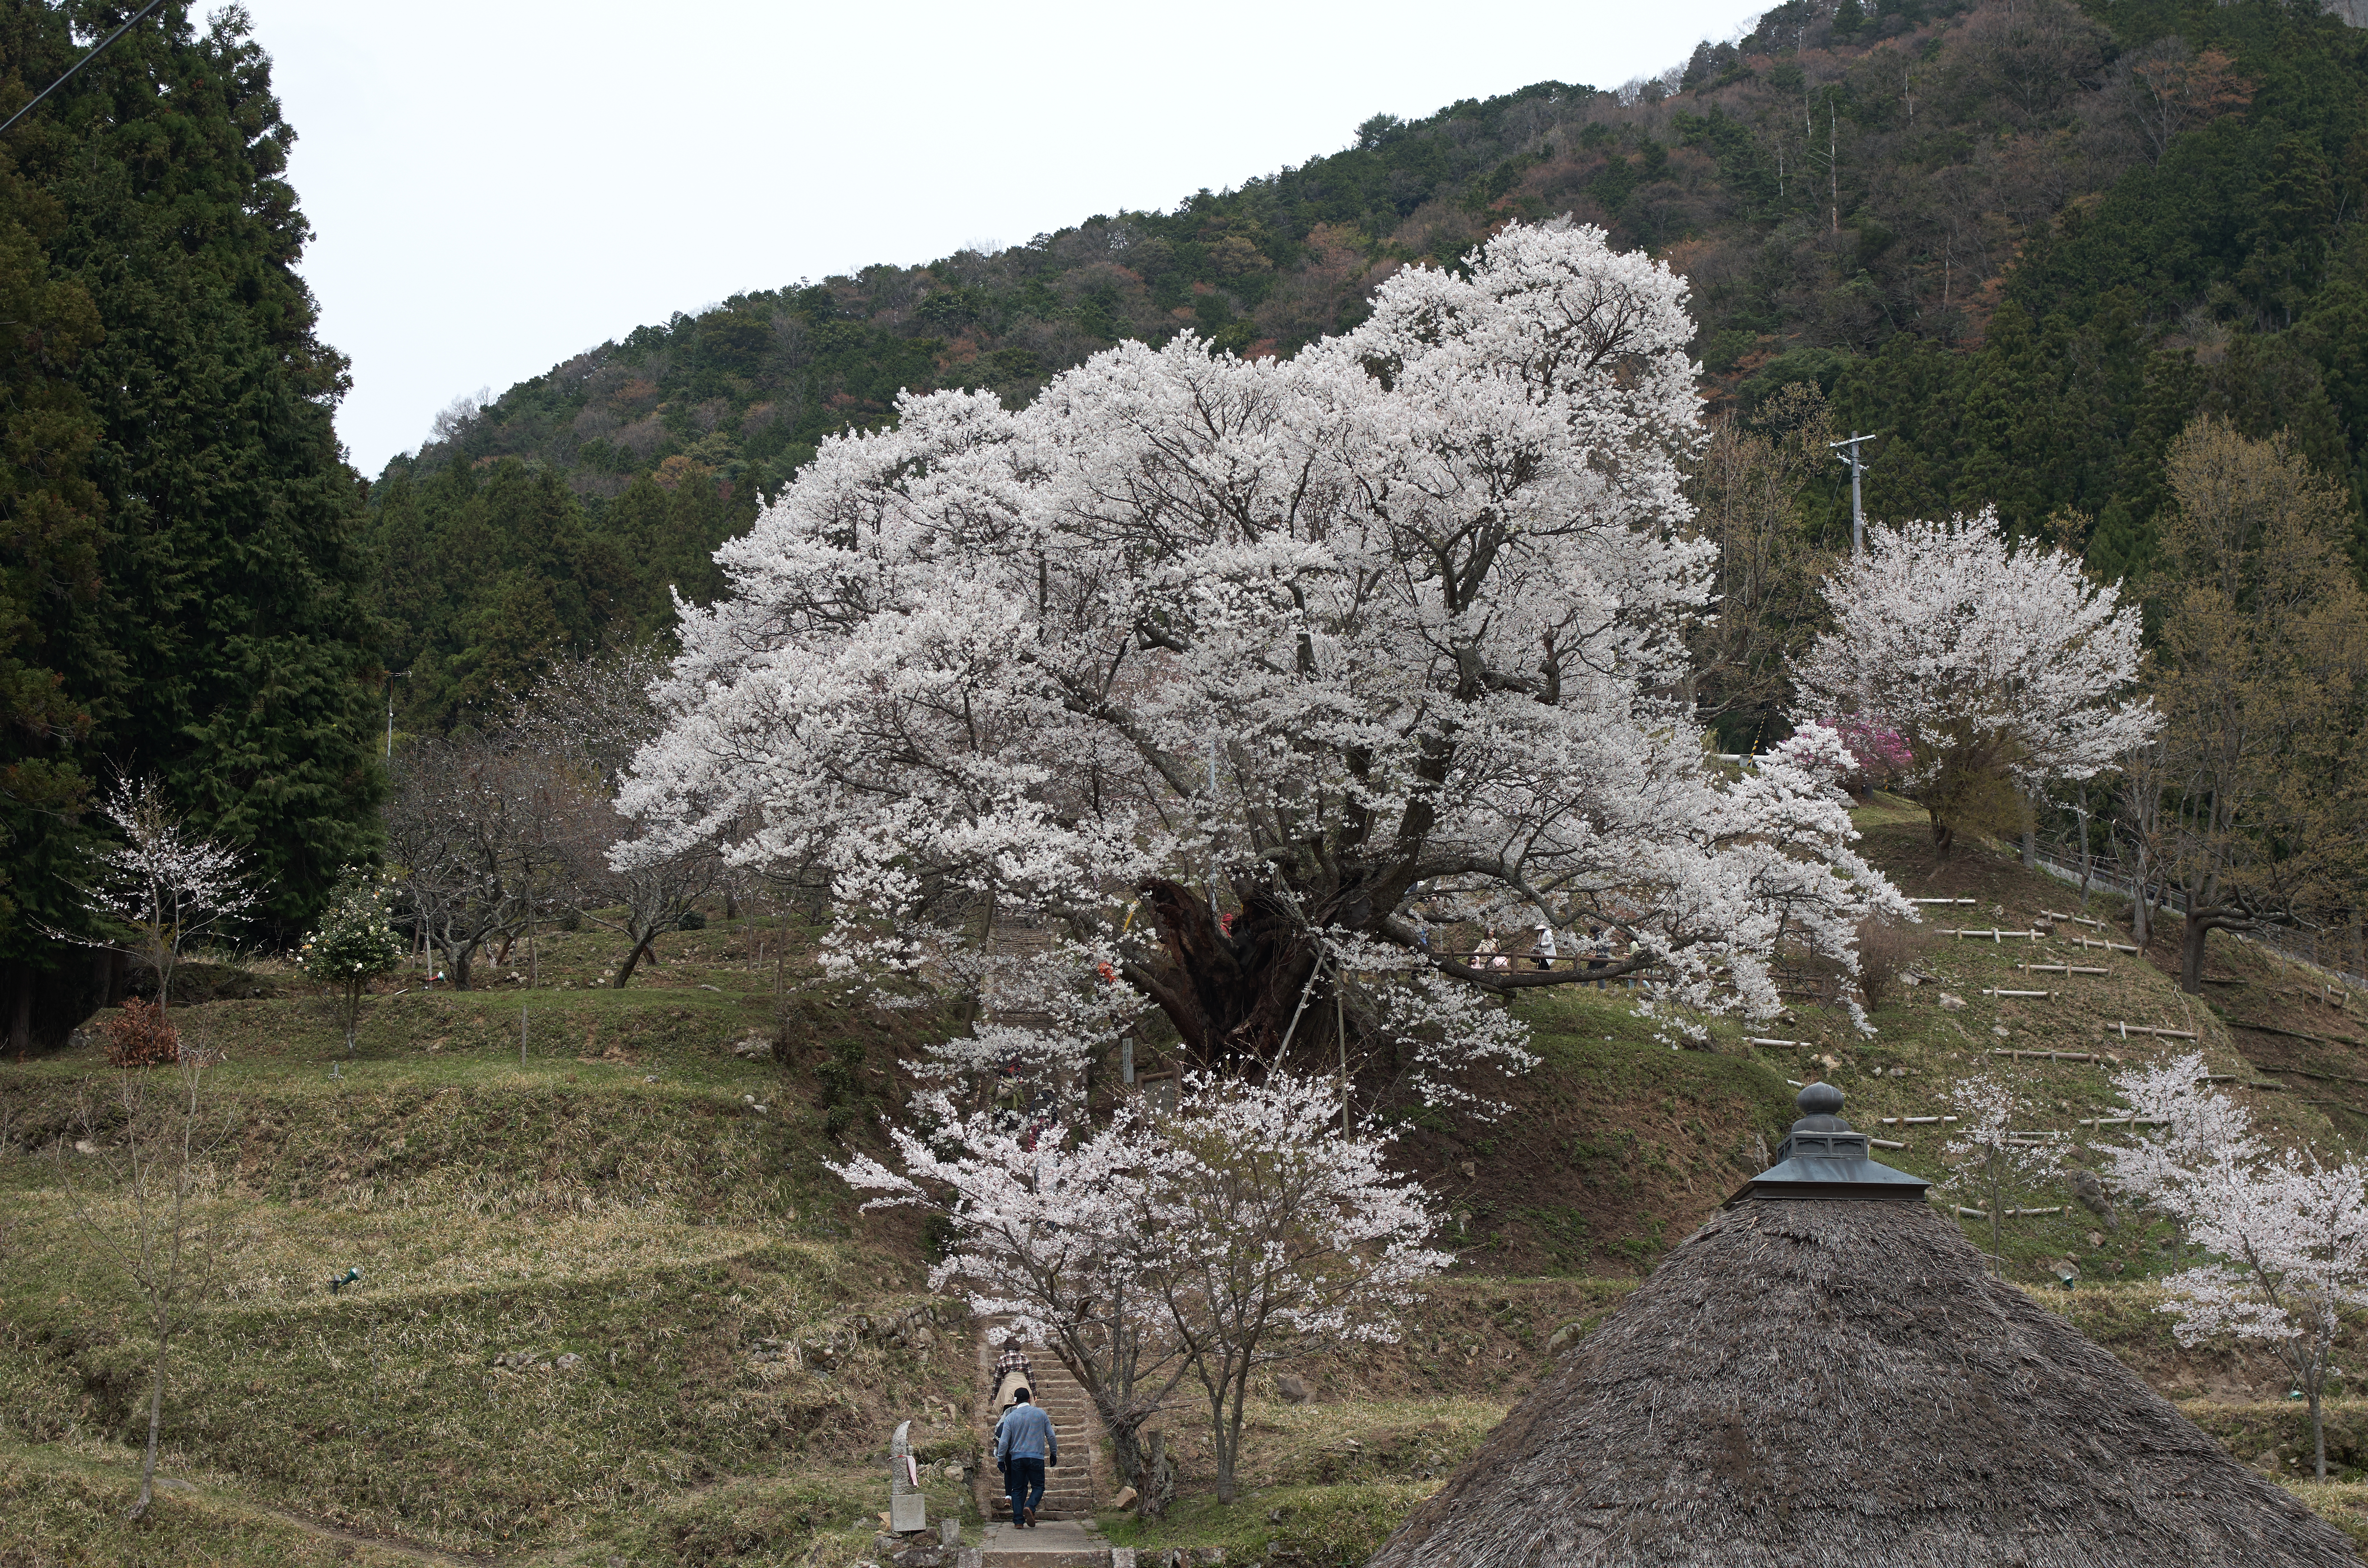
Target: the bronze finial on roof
(1821, 1157)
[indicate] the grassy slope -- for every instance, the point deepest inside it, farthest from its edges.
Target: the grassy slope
(621, 1198)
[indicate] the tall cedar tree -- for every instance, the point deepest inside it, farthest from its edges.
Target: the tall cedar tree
(178, 571)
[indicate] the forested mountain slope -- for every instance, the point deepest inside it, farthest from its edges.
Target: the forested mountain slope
(2025, 240)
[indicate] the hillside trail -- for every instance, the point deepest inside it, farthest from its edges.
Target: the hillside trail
(388, 1546)
(1070, 1489)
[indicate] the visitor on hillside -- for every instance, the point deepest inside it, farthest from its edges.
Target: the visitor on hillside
(1544, 953)
(1013, 1373)
(1025, 1445)
(1598, 949)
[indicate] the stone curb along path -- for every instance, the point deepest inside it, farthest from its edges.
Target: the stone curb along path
(1065, 1543)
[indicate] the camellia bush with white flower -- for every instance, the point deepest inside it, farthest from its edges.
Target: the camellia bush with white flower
(355, 943)
(2003, 668)
(1230, 672)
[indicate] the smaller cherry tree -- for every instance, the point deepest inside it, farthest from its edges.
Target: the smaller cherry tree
(2286, 1239)
(1278, 1235)
(164, 887)
(1049, 1231)
(1992, 1155)
(2181, 1128)
(1242, 1229)
(2001, 669)
(354, 943)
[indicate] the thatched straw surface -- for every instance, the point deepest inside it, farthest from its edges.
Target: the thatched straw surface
(1827, 1382)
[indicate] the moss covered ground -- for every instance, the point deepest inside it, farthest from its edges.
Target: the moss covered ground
(614, 1307)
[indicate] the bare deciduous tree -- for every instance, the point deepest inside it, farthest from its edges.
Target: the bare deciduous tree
(2263, 681)
(142, 1183)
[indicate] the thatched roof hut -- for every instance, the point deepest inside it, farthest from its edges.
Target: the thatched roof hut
(1825, 1373)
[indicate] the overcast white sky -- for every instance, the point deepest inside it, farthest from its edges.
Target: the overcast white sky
(494, 186)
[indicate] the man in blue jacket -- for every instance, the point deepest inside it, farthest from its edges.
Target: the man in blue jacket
(1025, 1444)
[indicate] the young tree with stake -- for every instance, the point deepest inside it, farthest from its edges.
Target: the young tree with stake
(1988, 1156)
(354, 943)
(151, 1209)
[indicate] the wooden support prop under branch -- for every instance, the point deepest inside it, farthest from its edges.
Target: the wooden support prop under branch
(1886, 1143)
(2052, 1055)
(2042, 996)
(1941, 901)
(2128, 1029)
(2076, 919)
(2064, 969)
(1994, 935)
(1965, 1213)
(1755, 1040)
(2109, 947)
(1912, 1120)
(2123, 1121)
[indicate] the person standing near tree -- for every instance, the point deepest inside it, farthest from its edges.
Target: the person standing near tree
(1025, 1445)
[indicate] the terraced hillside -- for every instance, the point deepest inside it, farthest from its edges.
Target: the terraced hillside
(612, 1308)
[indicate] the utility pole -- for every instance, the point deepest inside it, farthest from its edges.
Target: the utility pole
(1858, 512)
(391, 676)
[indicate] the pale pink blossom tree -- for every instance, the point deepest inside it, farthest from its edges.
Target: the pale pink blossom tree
(2003, 668)
(2287, 1243)
(1280, 1236)
(164, 887)
(2285, 1238)
(1049, 1227)
(1242, 1229)
(2181, 1128)
(1998, 1152)
(1194, 637)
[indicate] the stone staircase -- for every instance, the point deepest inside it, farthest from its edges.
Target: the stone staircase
(1069, 1491)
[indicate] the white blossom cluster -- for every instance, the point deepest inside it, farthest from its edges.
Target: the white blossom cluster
(1957, 640)
(1401, 613)
(1245, 1221)
(2285, 1237)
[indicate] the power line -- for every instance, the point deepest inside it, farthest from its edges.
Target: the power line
(78, 64)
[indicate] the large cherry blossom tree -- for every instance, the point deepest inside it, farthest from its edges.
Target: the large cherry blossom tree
(1234, 671)
(2004, 670)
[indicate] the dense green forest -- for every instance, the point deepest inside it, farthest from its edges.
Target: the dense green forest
(2026, 242)
(181, 548)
